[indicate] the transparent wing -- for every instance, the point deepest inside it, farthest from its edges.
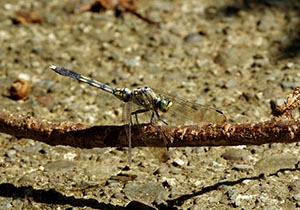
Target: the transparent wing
(183, 112)
(128, 123)
(129, 108)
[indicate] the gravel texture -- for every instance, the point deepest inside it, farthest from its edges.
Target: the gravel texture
(234, 55)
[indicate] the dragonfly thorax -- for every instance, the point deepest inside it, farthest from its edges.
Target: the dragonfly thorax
(124, 94)
(147, 98)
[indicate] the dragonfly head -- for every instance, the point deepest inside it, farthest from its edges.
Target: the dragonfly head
(164, 104)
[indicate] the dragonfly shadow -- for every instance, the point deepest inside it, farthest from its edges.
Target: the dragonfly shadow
(180, 200)
(51, 196)
(105, 136)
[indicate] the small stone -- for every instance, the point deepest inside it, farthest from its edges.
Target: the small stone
(235, 155)
(193, 37)
(289, 65)
(70, 156)
(296, 197)
(273, 163)
(60, 165)
(118, 195)
(123, 177)
(146, 192)
(19, 89)
(18, 203)
(295, 186)
(33, 148)
(8, 6)
(11, 153)
(232, 83)
(243, 167)
(178, 162)
(112, 183)
(161, 170)
(289, 85)
(134, 62)
(6, 206)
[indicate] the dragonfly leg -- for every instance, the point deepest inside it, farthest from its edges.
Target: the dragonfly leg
(135, 113)
(158, 117)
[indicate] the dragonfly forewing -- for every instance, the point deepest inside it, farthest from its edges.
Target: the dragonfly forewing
(183, 112)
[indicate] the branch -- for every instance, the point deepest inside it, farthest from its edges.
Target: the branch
(280, 129)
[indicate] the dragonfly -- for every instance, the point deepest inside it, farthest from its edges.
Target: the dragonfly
(161, 108)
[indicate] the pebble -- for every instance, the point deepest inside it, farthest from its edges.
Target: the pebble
(60, 165)
(11, 153)
(70, 156)
(289, 84)
(199, 149)
(123, 177)
(243, 167)
(236, 155)
(273, 163)
(289, 65)
(193, 37)
(18, 203)
(8, 6)
(261, 61)
(236, 56)
(19, 89)
(6, 206)
(34, 148)
(269, 22)
(161, 170)
(118, 195)
(295, 186)
(232, 83)
(279, 101)
(112, 183)
(178, 162)
(296, 197)
(133, 62)
(148, 192)
(163, 5)
(231, 193)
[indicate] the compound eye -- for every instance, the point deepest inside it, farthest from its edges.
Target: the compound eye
(165, 105)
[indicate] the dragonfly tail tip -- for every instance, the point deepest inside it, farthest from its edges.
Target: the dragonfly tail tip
(53, 67)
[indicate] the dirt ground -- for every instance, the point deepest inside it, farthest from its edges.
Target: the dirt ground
(233, 55)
